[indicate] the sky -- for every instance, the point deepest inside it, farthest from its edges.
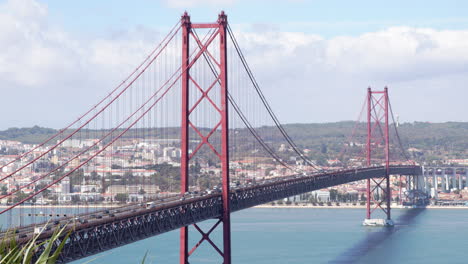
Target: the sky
(313, 59)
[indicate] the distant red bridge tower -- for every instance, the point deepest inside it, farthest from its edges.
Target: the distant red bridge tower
(378, 189)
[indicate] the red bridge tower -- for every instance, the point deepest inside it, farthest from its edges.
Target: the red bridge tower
(378, 189)
(218, 30)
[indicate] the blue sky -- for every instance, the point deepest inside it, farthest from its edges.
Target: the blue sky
(328, 18)
(324, 52)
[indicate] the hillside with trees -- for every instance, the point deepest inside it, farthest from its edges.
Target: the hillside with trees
(426, 141)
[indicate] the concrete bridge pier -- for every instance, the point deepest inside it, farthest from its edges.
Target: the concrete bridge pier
(460, 182)
(420, 183)
(446, 183)
(408, 183)
(461, 179)
(426, 179)
(418, 190)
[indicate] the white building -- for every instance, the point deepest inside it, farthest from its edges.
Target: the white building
(172, 152)
(321, 195)
(65, 185)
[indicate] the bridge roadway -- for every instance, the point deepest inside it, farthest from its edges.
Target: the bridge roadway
(103, 230)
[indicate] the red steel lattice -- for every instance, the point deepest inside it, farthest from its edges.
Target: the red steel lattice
(378, 133)
(221, 108)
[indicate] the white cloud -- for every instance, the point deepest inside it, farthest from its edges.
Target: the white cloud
(42, 62)
(329, 76)
(387, 54)
(325, 78)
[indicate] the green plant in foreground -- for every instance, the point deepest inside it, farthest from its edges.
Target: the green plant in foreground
(144, 258)
(13, 253)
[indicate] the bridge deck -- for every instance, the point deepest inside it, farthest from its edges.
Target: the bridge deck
(131, 223)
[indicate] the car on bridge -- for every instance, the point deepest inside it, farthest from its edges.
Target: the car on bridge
(150, 205)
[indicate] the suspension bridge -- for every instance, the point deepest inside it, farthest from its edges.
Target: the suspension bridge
(181, 140)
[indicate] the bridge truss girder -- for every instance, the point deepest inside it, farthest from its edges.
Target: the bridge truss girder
(108, 233)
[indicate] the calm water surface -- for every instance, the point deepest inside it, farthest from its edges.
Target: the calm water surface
(266, 236)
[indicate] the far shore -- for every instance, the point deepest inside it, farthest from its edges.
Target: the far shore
(37, 206)
(350, 206)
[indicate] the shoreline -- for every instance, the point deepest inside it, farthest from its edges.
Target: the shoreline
(350, 207)
(65, 206)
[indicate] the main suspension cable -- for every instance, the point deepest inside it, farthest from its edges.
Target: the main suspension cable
(93, 117)
(266, 104)
(61, 131)
(398, 134)
(109, 133)
(244, 119)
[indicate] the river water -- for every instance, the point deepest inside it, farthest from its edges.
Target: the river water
(306, 235)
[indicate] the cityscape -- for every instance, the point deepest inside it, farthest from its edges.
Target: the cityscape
(129, 173)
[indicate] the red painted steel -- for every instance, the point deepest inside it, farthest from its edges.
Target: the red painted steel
(220, 107)
(387, 154)
(205, 25)
(368, 146)
(222, 20)
(378, 115)
(184, 134)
